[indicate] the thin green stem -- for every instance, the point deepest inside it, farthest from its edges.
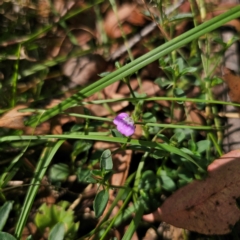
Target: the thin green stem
(15, 78)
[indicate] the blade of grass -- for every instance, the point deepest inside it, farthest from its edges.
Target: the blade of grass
(163, 146)
(134, 223)
(15, 77)
(137, 64)
(42, 166)
(177, 99)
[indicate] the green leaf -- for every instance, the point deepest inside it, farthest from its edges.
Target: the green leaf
(59, 172)
(167, 183)
(169, 70)
(76, 127)
(106, 162)
(100, 202)
(97, 172)
(192, 145)
(203, 146)
(57, 232)
(49, 216)
(80, 146)
(134, 223)
(162, 82)
(40, 171)
(188, 70)
(30, 237)
(179, 65)
(149, 117)
(116, 133)
(6, 236)
(4, 213)
(180, 16)
(103, 74)
(179, 136)
(216, 81)
(178, 92)
(83, 174)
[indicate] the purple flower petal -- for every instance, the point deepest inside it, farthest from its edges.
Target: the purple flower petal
(125, 124)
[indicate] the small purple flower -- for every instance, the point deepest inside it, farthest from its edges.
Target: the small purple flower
(125, 124)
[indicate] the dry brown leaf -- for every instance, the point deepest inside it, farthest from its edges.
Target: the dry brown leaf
(111, 89)
(29, 229)
(181, 26)
(84, 70)
(128, 14)
(13, 118)
(150, 235)
(150, 88)
(233, 82)
(124, 89)
(208, 206)
(196, 118)
(121, 164)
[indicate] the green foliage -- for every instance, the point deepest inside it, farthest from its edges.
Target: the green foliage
(57, 232)
(106, 162)
(57, 218)
(150, 189)
(59, 172)
(4, 213)
(100, 202)
(6, 236)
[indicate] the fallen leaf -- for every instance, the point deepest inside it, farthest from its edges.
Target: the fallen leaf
(233, 82)
(127, 14)
(84, 70)
(222, 8)
(207, 206)
(13, 118)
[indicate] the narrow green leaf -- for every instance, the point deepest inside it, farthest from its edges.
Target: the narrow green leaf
(134, 223)
(106, 162)
(180, 16)
(4, 213)
(40, 171)
(188, 70)
(179, 152)
(100, 202)
(30, 237)
(162, 82)
(57, 233)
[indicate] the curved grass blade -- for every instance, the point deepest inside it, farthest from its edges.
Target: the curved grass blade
(136, 142)
(40, 171)
(139, 63)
